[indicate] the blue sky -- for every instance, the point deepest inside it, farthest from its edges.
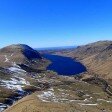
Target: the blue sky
(47, 23)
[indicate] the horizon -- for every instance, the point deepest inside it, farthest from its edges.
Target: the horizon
(56, 47)
(58, 23)
(41, 47)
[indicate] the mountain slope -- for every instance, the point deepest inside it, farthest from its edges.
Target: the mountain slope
(97, 57)
(18, 66)
(65, 94)
(20, 54)
(19, 76)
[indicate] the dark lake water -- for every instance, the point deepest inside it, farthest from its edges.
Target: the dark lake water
(64, 65)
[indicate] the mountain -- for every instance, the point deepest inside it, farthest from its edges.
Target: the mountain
(23, 73)
(97, 57)
(19, 64)
(21, 55)
(102, 48)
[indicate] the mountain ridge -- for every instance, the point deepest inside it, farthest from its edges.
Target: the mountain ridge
(21, 51)
(97, 57)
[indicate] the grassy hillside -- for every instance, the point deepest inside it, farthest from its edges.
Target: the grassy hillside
(65, 94)
(97, 57)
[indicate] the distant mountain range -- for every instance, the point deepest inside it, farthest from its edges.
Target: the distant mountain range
(55, 48)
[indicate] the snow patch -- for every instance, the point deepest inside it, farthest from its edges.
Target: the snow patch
(108, 101)
(51, 89)
(89, 104)
(11, 55)
(2, 107)
(15, 65)
(6, 58)
(15, 83)
(60, 90)
(48, 96)
(16, 69)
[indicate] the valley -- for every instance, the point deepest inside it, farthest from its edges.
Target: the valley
(55, 55)
(57, 81)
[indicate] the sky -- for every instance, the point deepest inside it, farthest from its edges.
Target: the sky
(52, 23)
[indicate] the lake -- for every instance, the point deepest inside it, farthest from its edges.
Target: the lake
(64, 65)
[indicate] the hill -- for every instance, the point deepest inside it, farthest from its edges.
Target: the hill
(21, 55)
(97, 57)
(18, 65)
